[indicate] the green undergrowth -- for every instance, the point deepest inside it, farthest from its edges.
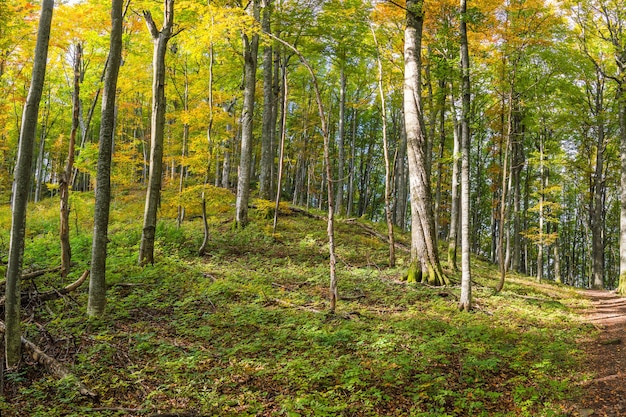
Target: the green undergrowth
(244, 330)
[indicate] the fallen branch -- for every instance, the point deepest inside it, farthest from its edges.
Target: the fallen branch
(34, 274)
(122, 409)
(375, 233)
(306, 213)
(53, 366)
(288, 304)
(54, 294)
(606, 378)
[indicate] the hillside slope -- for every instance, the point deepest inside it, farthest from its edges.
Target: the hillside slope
(243, 331)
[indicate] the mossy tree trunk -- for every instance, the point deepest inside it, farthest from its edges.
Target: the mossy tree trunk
(425, 265)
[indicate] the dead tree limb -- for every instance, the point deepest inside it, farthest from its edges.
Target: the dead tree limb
(52, 365)
(52, 294)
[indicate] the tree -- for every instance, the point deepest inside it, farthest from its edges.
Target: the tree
(21, 185)
(269, 104)
(66, 175)
(97, 279)
(425, 266)
(160, 39)
(465, 302)
(383, 112)
(251, 47)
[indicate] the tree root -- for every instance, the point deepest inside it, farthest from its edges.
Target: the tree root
(52, 365)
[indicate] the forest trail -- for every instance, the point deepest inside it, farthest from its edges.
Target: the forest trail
(605, 395)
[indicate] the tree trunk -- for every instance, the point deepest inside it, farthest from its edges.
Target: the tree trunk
(383, 113)
(66, 176)
(267, 157)
(425, 266)
(621, 100)
(157, 128)
(596, 204)
(454, 192)
(540, 244)
(330, 225)
(281, 147)
(251, 46)
(340, 138)
(503, 196)
(465, 302)
(21, 187)
(97, 280)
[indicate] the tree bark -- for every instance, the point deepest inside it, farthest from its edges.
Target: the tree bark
(157, 127)
(465, 302)
(281, 146)
(425, 266)
(341, 133)
(97, 280)
(621, 98)
(251, 46)
(267, 157)
(66, 176)
(596, 203)
(21, 187)
(453, 235)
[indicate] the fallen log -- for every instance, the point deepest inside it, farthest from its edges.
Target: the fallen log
(52, 365)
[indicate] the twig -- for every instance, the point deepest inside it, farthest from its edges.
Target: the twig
(124, 409)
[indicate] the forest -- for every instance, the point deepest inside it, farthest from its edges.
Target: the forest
(312, 207)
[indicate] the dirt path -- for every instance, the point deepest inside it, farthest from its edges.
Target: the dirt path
(606, 394)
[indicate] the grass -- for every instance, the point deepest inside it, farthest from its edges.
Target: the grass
(243, 331)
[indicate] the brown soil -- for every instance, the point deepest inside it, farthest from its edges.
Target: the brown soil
(605, 395)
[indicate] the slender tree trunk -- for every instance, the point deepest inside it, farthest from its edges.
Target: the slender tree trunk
(401, 180)
(454, 191)
(157, 129)
(503, 197)
(281, 147)
(43, 134)
(621, 99)
(97, 280)
(351, 167)
(64, 183)
(341, 138)
(182, 171)
(251, 46)
(330, 225)
(21, 187)
(465, 302)
(267, 160)
(596, 206)
(388, 169)
(541, 213)
(425, 266)
(442, 147)
(557, 257)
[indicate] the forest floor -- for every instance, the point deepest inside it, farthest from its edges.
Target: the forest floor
(245, 331)
(601, 395)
